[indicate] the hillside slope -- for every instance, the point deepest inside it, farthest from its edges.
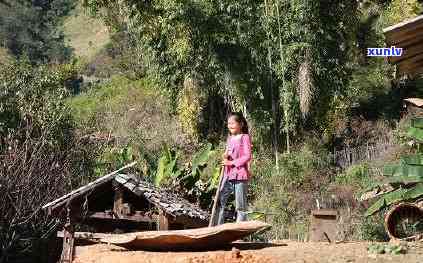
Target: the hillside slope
(85, 34)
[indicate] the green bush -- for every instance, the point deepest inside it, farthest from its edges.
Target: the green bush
(41, 157)
(372, 228)
(357, 176)
(285, 196)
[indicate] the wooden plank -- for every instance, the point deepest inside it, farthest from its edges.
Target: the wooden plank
(135, 218)
(410, 23)
(404, 30)
(68, 245)
(163, 221)
(62, 200)
(404, 36)
(405, 43)
(415, 72)
(199, 238)
(324, 212)
(410, 63)
(85, 235)
(118, 202)
(407, 53)
(410, 69)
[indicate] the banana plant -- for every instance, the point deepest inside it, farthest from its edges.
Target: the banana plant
(405, 179)
(167, 167)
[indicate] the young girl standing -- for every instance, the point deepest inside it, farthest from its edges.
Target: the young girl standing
(236, 161)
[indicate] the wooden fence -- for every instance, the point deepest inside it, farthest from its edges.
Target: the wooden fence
(353, 155)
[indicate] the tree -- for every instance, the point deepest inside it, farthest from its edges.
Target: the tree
(32, 29)
(248, 52)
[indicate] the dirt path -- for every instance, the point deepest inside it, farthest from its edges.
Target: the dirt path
(287, 251)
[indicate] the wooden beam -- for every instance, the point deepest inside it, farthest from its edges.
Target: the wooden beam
(405, 30)
(135, 218)
(85, 235)
(412, 69)
(407, 23)
(408, 53)
(406, 43)
(78, 192)
(415, 73)
(410, 63)
(404, 36)
(163, 221)
(118, 201)
(68, 244)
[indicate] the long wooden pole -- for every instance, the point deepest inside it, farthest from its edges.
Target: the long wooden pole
(216, 198)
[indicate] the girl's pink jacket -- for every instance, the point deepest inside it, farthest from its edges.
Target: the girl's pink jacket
(239, 150)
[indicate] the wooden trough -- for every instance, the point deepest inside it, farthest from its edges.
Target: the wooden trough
(189, 239)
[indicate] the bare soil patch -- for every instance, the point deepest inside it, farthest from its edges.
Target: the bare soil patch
(282, 251)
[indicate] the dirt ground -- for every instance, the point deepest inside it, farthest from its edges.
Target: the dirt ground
(281, 251)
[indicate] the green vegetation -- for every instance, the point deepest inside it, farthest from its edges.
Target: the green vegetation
(387, 248)
(286, 197)
(406, 178)
(31, 29)
(41, 157)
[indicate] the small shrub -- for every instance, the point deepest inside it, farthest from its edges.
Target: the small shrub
(372, 228)
(357, 176)
(286, 196)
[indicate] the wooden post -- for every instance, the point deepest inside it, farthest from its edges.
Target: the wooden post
(68, 243)
(163, 221)
(118, 201)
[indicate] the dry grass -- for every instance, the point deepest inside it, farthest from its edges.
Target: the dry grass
(4, 55)
(85, 34)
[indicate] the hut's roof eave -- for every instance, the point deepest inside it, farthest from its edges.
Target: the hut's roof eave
(84, 189)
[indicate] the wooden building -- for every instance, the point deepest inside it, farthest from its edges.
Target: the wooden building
(119, 203)
(407, 35)
(413, 107)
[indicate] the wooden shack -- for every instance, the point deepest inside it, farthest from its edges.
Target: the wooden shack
(119, 203)
(407, 35)
(413, 107)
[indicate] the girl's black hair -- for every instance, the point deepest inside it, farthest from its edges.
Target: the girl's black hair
(241, 120)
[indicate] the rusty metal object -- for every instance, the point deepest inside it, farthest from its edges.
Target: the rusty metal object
(400, 215)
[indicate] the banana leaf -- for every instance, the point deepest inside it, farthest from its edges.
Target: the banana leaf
(413, 170)
(214, 180)
(396, 196)
(393, 170)
(166, 167)
(406, 180)
(416, 159)
(386, 200)
(417, 123)
(415, 133)
(201, 158)
(414, 192)
(403, 170)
